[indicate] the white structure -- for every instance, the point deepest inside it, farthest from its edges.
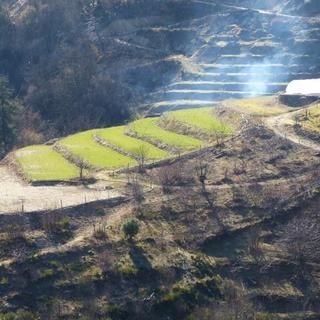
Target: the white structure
(310, 87)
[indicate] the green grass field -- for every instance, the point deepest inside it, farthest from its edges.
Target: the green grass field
(45, 164)
(265, 106)
(42, 163)
(117, 137)
(148, 128)
(84, 147)
(201, 118)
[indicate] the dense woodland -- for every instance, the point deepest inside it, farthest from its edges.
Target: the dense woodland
(49, 64)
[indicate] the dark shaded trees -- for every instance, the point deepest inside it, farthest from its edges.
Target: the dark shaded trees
(8, 111)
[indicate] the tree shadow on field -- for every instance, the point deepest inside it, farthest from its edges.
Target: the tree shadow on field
(139, 259)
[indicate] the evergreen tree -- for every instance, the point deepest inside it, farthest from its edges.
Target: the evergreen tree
(8, 110)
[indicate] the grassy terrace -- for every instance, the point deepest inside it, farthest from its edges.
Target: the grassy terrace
(43, 163)
(259, 106)
(117, 137)
(149, 129)
(203, 120)
(84, 147)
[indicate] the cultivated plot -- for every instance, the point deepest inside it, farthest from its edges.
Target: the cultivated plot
(117, 137)
(149, 129)
(83, 146)
(45, 164)
(202, 119)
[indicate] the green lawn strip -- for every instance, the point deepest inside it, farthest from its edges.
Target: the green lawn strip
(83, 146)
(265, 106)
(201, 118)
(148, 128)
(42, 163)
(117, 137)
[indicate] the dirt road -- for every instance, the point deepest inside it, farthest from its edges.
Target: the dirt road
(15, 194)
(279, 124)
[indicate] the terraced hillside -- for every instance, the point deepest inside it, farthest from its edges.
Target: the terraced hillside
(142, 141)
(240, 53)
(160, 55)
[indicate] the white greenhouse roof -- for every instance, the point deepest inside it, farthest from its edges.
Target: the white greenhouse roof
(309, 87)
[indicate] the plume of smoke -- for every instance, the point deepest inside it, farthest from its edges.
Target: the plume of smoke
(262, 74)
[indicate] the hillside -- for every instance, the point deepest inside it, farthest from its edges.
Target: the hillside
(150, 166)
(82, 65)
(140, 142)
(227, 231)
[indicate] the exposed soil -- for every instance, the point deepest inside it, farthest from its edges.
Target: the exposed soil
(280, 125)
(16, 194)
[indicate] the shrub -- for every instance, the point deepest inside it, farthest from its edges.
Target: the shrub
(19, 315)
(136, 190)
(54, 222)
(130, 229)
(14, 232)
(170, 176)
(46, 274)
(100, 231)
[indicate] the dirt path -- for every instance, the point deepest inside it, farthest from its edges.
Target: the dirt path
(15, 194)
(84, 234)
(279, 124)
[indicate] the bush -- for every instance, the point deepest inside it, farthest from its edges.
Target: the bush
(100, 231)
(170, 176)
(19, 315)
(54, 222)
(14, 232)
(130, 229)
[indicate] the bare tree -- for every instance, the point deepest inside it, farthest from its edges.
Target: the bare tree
(254, 245)
(136, 190)
(142, 154)
(301, 239)
(82, 166)
(170, 176)
(202, 172)
(236, 305)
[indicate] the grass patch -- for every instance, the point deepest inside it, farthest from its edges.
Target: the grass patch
(311, 120)
(117, 137)
(84, 147)
(148, 128)
(201, 119)
(265, 106)
(42, 163)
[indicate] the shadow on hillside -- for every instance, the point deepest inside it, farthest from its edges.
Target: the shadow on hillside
(139, 259)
